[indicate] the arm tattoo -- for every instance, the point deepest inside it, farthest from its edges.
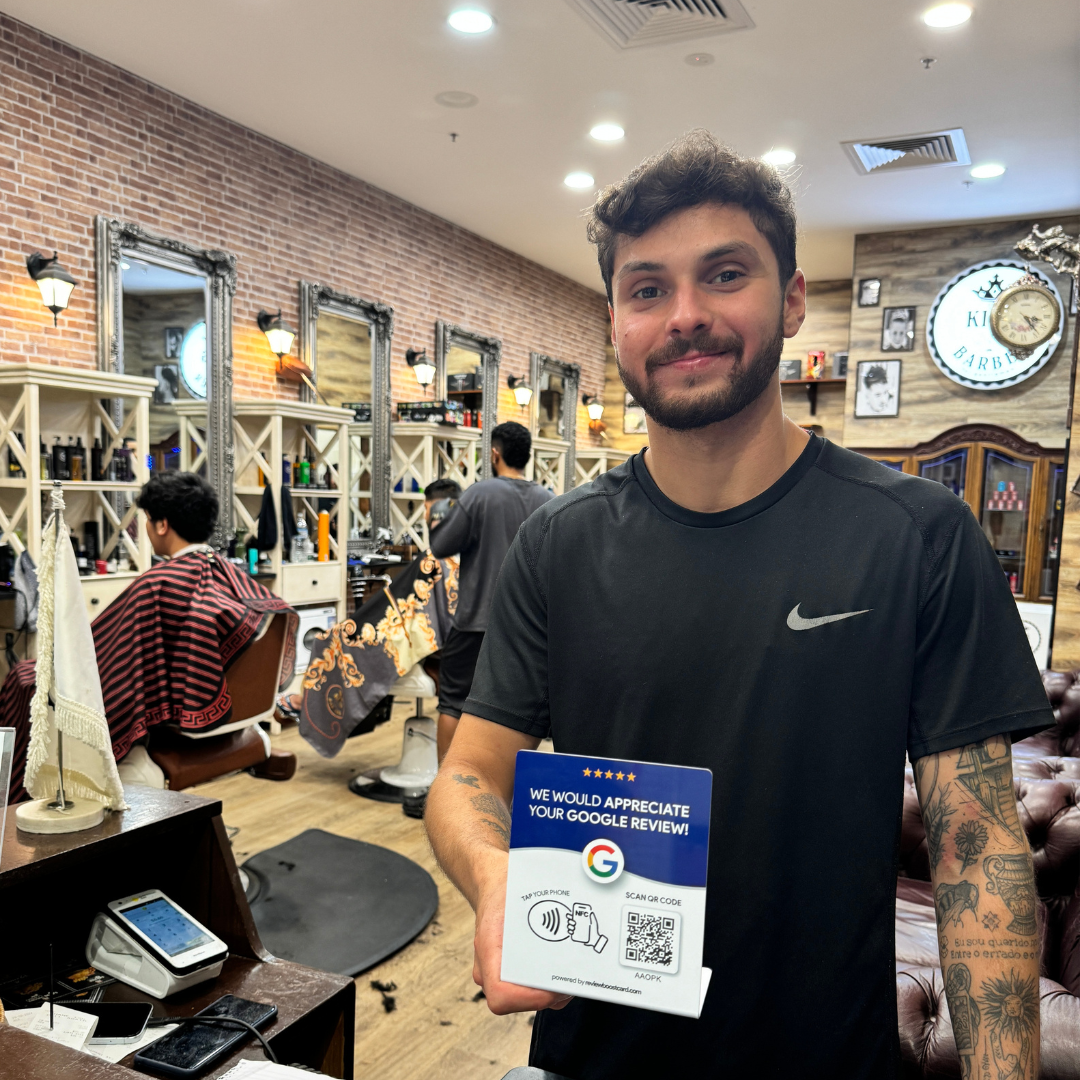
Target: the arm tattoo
(970, 840)
(985, 770)
(492, 807)
(1012, 878)
(936, 816)
(951, 901)
(1009, 1006)
(965, 1016)
(472, 781)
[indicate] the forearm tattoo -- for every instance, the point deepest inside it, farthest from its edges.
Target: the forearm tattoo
(491, 808)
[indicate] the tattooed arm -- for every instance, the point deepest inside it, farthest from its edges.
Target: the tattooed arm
(984, 896)
(468, 822)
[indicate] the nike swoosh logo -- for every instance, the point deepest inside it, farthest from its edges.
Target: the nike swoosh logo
(796, 622)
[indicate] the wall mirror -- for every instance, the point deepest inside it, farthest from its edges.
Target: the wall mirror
(164, 312)
(554, 405)
(467, 371)
(345, 340)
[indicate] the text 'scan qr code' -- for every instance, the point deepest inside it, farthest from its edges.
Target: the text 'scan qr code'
(649, 939)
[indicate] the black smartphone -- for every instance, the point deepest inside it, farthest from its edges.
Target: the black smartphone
(189, 1049)
(118, 1021)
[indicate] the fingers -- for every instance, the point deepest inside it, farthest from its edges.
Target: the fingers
(503, 998)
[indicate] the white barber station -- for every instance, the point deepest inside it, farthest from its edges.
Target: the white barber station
(407, 782)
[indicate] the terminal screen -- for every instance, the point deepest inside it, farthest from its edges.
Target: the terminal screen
(166, 926)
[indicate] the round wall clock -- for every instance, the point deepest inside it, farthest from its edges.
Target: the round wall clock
(960, 330)
(193, 360)
(1025, 316)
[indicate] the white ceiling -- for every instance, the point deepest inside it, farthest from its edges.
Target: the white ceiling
(352, 82)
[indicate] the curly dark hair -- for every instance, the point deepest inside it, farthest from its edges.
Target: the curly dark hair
(443, 489)
(183, 499)
(514, 443)
(696, 169)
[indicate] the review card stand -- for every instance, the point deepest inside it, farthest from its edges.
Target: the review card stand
(605, 892)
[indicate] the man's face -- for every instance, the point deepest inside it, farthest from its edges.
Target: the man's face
(896, 334)
(699, 315)
(877, 396)
(157, 531)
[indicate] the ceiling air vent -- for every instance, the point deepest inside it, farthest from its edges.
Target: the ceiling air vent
(909, 151)
(631, 24)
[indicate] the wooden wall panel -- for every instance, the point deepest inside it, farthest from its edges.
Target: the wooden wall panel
(913, 266)
(1065, 654)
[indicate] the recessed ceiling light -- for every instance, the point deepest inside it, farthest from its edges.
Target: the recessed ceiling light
(947, 15)
(699, 59)
(607, 132)
(987, 172)
(471, 21)
(457, 99)
(579, 180)
(778, 157)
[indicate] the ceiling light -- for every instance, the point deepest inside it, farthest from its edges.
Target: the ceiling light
(778, 157)
(947, 15)
(607, 132)
(471, 21)
(699, 59)
(456, 99)
(987, 172)
(54, 282)
(579, 180)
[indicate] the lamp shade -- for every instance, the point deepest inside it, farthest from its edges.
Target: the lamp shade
(424, 370)
(595, 410)
(523, 392)
(278, 332)
(53, 280)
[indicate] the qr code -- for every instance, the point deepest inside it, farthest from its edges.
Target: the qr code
(650, 939)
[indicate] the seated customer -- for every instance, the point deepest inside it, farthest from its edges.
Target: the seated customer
(165, 643)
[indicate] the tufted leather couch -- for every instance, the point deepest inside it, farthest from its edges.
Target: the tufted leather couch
(1051, 818)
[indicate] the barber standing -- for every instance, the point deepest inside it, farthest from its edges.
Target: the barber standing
(480, 528)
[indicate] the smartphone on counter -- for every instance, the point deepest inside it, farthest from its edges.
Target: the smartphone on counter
(118, 1021)
(192, 1047)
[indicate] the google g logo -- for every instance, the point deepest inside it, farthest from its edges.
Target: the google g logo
(602, 861)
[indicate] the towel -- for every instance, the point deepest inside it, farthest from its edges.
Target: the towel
(26, 594)
(67, 697)
(268, 530)
(288, 523)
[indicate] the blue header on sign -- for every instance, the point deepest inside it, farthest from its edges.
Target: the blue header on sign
(657, 814)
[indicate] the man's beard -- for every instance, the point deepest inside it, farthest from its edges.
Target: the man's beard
(746, 382)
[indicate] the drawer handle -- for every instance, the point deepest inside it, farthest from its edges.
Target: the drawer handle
(95, 599)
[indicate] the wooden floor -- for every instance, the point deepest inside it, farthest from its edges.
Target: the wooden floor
(437, 1031)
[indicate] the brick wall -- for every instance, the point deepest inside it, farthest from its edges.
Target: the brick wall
(80, 137)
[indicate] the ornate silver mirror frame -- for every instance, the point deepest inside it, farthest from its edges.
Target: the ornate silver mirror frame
(315, 299)
(448, 336)
(112, 239)
(539, 363)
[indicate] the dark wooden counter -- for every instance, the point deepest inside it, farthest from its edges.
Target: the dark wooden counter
(52, 886)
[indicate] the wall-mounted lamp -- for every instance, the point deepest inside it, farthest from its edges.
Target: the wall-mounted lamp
(53, 280)
(522, 390)
(423, 368)
(278, 333)
(593, 406)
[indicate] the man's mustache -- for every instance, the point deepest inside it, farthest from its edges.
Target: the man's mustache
(677, 348)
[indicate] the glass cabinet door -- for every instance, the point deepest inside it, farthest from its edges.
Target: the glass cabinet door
(1006, 503)
(1051, 531)
(949, 470)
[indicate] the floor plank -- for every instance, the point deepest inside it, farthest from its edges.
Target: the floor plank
(437, 1031)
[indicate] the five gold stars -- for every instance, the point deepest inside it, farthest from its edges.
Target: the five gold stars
(609, 775)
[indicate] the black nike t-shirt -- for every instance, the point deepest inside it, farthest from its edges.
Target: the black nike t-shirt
(797, 646)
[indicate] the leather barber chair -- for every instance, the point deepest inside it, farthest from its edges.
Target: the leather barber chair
(407, 782)
(1051, 819)
(187, 758)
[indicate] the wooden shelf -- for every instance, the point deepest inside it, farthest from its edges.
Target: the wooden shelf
(72, 485)
(812, 388)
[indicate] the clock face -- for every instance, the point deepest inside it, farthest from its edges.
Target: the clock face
(1025, 318)
(960, 336)
(193, 360)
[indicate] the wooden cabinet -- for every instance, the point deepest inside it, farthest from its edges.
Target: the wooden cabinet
(1015, 488)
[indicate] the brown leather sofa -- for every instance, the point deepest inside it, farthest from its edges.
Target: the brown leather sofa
(1051, 818)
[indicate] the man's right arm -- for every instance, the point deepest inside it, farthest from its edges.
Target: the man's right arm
(451, 535)
(468, 822)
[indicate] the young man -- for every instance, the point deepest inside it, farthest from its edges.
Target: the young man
(181, 509)
(750, 599)
(480, 527)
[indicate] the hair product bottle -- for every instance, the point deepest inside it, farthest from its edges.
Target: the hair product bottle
(324, 536)
(60, 461)
(77, 457)
(95, 461)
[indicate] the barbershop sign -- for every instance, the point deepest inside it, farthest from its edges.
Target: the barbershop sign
(958, 330)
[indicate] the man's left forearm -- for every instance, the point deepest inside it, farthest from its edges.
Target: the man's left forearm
(985, 900)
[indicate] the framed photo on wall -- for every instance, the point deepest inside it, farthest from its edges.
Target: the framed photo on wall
(870, 292)
(877, 388)
(633, 417)
(898, 329)
(174, 339)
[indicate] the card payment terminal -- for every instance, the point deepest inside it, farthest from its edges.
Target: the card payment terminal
(151, 943)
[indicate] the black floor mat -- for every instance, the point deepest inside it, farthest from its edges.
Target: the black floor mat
(337, 904)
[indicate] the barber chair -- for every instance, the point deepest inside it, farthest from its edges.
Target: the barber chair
(187, 757)
(407, 782)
